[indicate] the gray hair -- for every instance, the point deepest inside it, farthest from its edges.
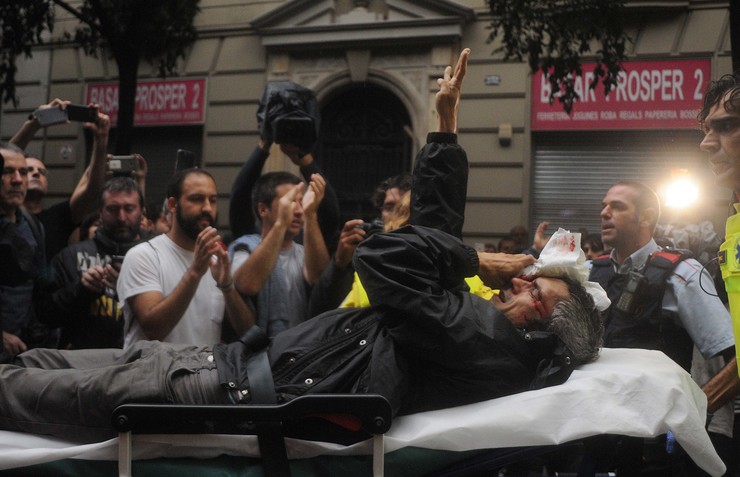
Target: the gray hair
(577, 322)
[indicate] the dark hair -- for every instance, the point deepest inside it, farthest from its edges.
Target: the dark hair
(121, 184)
(577, 322)
(647, 198)
(86, 223)
(717, 90)
(264, 190)
(11, 147)
(154, 210)
(507, 238)
(593, 241)
(29, 155)
(174, 188)
(401, 182)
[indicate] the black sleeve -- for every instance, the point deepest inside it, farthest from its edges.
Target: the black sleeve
(58, 225)
(414, 267)
(440, 185)
(328, 212)
(59, 297)
(418, 273)
(241, 215)
(17, 262)
(419, 270)
(333, 286)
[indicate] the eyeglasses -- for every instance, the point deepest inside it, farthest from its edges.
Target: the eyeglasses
(9, 171)
(41, 170)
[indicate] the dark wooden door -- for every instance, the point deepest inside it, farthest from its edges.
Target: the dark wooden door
(363, 140)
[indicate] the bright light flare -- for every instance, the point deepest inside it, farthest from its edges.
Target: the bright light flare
(681, 193)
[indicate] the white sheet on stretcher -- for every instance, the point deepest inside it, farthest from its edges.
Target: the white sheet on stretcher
(629, 392)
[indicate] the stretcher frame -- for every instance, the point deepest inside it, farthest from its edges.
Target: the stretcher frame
(372, 411)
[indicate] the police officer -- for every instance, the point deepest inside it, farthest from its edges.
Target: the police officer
(660, 298)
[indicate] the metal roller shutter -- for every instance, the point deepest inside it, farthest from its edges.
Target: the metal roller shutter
(573, 171)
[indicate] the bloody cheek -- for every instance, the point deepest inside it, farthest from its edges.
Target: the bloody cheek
(540, 309)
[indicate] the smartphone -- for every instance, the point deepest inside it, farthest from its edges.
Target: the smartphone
(123, 165)
(73, 112)
(51, 116)
(117, 258)
(85, 114)
(185, 160)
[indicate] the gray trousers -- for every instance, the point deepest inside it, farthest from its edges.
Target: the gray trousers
(72, 394)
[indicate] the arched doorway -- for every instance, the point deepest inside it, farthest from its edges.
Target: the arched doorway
(363, 140)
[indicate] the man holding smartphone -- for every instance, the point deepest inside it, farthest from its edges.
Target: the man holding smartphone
(80, 295)
(61, 219)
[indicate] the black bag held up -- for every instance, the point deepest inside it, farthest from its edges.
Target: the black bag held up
(288, 113)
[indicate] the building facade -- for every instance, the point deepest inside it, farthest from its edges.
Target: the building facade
(373, 65)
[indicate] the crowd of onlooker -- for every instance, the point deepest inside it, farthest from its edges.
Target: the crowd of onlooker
(107, 269)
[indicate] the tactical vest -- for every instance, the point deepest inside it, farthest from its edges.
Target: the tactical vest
(646, 325)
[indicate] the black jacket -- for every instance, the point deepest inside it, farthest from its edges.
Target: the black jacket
(87, 319)
(431, 344)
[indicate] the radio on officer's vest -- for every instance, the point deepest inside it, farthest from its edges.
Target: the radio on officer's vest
(628, 300)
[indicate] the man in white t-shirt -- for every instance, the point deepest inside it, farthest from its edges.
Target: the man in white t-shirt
(270, 268)
(166, 291)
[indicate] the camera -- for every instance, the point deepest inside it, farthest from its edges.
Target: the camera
(186, 160)
(371, 227)
(297, 130)
(123, 165)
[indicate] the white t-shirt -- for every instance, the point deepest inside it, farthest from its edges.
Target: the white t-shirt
(159, 265)
(291, 260)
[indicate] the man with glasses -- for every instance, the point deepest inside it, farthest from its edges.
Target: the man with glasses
(719, 118)
(20, 329)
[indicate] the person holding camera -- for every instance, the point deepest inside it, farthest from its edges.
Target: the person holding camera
(339, 284)
(60, 220)
(288, 115)
(80, 295)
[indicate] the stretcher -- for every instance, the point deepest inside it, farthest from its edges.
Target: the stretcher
(625, 392)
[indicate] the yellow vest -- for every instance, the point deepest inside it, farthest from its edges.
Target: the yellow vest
(729, 263)
(357, 298)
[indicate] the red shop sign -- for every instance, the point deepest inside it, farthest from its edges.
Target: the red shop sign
(158, 102)
(664, 94)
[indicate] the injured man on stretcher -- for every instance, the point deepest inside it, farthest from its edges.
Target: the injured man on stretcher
(426, 343)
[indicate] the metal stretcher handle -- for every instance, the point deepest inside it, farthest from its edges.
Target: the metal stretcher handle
(373, 410)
